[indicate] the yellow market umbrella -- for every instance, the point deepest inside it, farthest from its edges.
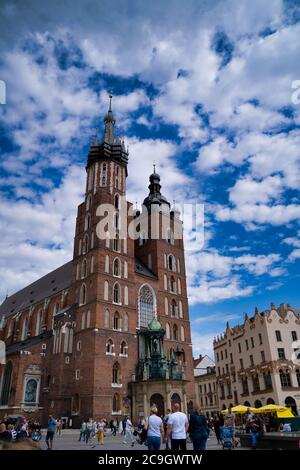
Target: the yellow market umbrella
(239, 409)
(285, 414)
(270, 408)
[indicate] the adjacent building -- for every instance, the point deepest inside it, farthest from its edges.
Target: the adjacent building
(206, 385)
(258, 362)
(107, 333)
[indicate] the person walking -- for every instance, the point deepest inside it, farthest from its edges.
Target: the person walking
(89, 431)
(114, 427)
(229, 424)
(100, 432)
(257, 430)
(166, 419)
(198, 429)
(155, 430)
(217, 428)
(124, 426)
(82, 431)
(178, 426)
(58, 427)
(128, 432)
(50, 432)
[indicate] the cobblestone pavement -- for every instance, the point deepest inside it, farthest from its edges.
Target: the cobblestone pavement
(69, 441)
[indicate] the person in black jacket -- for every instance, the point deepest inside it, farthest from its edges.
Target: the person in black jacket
(198, 429)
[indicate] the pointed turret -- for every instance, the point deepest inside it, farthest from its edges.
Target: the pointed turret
(109, 122)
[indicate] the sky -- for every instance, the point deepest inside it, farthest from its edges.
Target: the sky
(206, 89)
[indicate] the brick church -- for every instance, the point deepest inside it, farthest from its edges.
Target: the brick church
(108, 333)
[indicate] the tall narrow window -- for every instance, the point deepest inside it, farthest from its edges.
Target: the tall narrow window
(146, 306)
(83, 295)
(174, 308)
(117, 177)
(117, 243)
(6, 384)
(116, 294)
(106, 319)
(39, 321)
(83, 269)
(24, 329)
(116, 267)
(123, 348)
(116, 321)
(109, 347)
(116, 373)
(182, 333)
(126, 322)
(175, 332)
(105, 290)
(173, 284)
(117, 201)
(167, 331)
(103, 174)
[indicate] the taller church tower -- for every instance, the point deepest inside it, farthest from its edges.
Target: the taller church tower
(129, 316)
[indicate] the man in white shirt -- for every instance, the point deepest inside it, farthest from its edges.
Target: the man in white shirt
(178, 425)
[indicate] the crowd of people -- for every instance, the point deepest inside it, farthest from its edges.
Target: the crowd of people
(171, 431)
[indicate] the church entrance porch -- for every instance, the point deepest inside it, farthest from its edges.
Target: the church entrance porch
(158, 392)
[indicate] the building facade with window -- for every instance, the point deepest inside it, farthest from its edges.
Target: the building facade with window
(258, 362)
(108, 333)
(206, 389)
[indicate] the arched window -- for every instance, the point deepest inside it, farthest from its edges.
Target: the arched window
(168, 331)
(182, 333)
(105, 292)
(30, 391)
(6, 384)
(87, 222)
(180, 309)
(83, 321)
(175, 332)
(106, 266)
(171, 263)
(24, 329)
(126, 295)
(116, 375)
(165, 282)
(285, 378)
(39, 322)
(92, 240)
(116, 267)
(125, 269)
(92, 264)
(79, 247)
(173, 285)
(117, 243)
(116, 408)
(117, 177)
(116, 220)
(117, 294)
(166, 306)
(170, 236)
(88, 202)
(126, 322)
(146, 306)
(103, 174)
(85, 245)
(173, 308)
(117, 201)
(83, 295)
(179, 286)
(123, 348)
(83, 269)
(106, 319)
(88, 319)
(116, 321)
(110, 346)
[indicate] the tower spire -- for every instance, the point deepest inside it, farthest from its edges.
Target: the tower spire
(109, 122)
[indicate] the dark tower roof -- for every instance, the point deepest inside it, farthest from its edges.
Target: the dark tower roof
(155, 196)
(111, 147)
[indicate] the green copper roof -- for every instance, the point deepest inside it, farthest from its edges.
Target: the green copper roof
(154, 325)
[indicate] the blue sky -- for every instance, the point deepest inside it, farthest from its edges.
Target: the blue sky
(204, 88)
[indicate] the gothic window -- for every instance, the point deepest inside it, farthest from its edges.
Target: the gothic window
(126, 322)
(92, 264)
(116, 220)
(170, 236)
(83, 269)
(179, 286)
(92, 240)
(105, 293)
(182, 333)
(106, 267)
(175, 332)
(6, 384)
(123, 348)
(173, 308)
(173, 284)
(116, 403)
(116, 268)
(168, 331)
(83, 295)
(116, 375)
(39, 321)
(117, 294)
(146, 306)
(89, 202)
(116, 321)
(103, 174)
(85, 245)
(117, 177)
(117, 201)
(106, 319)
(126, 295)
(117, 243)
(83, 321)
(24, 329)
(125, 269)
(166, 306)
(87, 222)
(165, 282)
(30, 391)
(180, 309)
(109, 347)
(79, 247)
(171, 263)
